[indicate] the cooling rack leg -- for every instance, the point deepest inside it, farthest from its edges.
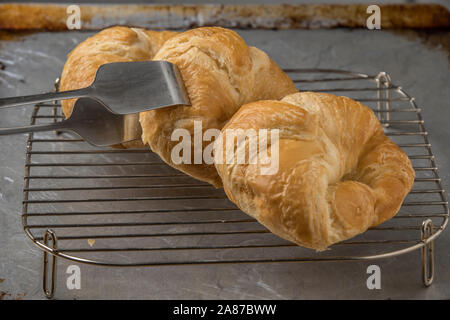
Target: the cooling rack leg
(383, 81)
(55, 109)
(427, 253)
(49, 290)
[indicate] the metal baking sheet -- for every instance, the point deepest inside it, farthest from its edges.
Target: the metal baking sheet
(31, 62)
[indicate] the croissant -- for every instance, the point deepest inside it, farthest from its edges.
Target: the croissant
(220, 73)
(115, 44)
(338, 174)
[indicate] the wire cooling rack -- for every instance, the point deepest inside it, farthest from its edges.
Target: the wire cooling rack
(114, 207)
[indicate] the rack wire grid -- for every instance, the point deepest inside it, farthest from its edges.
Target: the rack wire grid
(125, 207)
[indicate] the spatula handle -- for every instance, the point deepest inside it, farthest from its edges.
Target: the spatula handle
(36, 98)
(35, 128)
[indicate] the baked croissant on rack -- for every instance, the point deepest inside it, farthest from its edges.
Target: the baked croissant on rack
(338, 173)
(115, 44)
(221, 73)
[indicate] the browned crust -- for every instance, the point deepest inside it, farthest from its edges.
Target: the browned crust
(302, 16)
(220, 72)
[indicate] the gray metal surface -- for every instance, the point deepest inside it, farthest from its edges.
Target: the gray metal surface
(128, 208)
(423, 72)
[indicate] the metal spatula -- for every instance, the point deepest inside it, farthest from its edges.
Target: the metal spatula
(92, 121)
(124, 87)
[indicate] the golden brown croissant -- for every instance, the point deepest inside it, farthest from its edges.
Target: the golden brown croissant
(220, 73)
(115, 44)
(338, 173)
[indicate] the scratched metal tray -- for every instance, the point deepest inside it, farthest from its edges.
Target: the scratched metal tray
(114, 207)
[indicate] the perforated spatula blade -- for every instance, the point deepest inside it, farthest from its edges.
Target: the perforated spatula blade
(124, 88)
